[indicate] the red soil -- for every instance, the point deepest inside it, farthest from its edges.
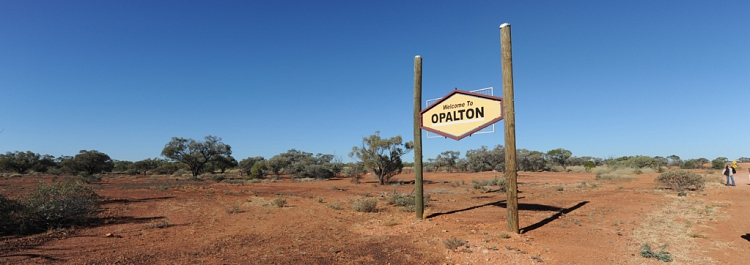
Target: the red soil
(158, 220)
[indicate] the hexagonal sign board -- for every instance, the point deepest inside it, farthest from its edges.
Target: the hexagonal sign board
(461, 113)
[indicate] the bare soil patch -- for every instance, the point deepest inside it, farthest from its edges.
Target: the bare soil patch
(566, 218)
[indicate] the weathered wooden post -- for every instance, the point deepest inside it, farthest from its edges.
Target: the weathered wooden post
(511, 172)
(419, 202)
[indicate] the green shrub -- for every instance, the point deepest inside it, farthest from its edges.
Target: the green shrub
(407, 201)
(588, 165)
(366, 205)
(257, 171)
(662, 255)
(58, 205)
(502, 184)
(681, 180)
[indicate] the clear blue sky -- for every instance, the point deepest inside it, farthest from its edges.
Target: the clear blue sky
(599, 78)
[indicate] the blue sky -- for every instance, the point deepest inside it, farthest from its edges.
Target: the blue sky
(599, 78)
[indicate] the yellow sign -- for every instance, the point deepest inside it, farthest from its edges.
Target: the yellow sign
(460, 114)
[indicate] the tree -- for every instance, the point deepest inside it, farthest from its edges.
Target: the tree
(588, 165)
(382, 155)
(719, 162)
(196, 154)
(122, 166)
(223, 162)
(448, 159)
(674, 160)
(93, 162)
(19, 162)
(702, 161)
(276, 164)
(530, 160)
(46, 162)
(484, 159)
(559, 156)
(143, 166)
(247, 164)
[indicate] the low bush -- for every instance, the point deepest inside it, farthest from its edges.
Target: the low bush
(454, 243)
(366, 205)
(58, 205)
(662, 255)
(279, 202)
(681, 180)
(9, 215)
(407, 201)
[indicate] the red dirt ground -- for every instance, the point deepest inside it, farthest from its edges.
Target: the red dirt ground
(160, 220)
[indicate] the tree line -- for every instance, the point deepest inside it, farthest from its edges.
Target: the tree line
(379, 155)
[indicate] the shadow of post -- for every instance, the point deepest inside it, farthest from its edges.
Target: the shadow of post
(547, 220)
(497, 203)
(525, 207)
(746, 237)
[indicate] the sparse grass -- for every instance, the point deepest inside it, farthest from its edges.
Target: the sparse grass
(559, 188)
(235, 209)
(621, 174)
(162, 224)
(676, 222)
(390, 223)
(334, 206)
(504, 235)
(320, 199)
(454, 243)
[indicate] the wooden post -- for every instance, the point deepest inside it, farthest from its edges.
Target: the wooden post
(511, 172)
(419, 202)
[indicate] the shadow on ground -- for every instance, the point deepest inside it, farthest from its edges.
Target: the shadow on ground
(523, 207)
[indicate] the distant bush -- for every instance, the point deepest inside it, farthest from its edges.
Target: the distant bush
(88, 178)
(218, 177)
(58, 205)
(689, 164)
(366, 205)
(257, 171)
(681, 180)
(588, 165)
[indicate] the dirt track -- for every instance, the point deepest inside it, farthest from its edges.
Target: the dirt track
(157, 220)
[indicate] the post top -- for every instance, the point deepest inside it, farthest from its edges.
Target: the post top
(504, 25)
(417, 56)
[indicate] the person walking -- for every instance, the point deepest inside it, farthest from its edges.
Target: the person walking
(729, 173)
